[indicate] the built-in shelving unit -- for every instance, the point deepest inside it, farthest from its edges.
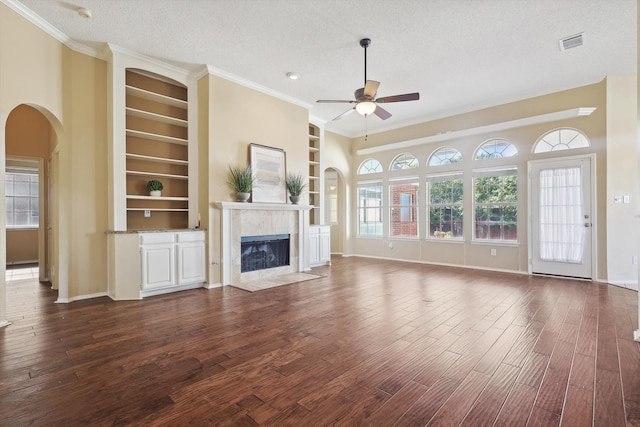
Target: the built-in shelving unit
(314, 175)
(156, 110)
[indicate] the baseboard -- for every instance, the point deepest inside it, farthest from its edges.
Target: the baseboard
(81, 297)
(470, 267)
(624, 284)
(212, 285)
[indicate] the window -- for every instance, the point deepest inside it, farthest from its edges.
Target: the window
(403, 196)
(445, 206)
(496, 204)
(561, 139)
(445, 156)
(370, 166)
(370, 209)
(404, 161)
(496, 149)
(22, 197)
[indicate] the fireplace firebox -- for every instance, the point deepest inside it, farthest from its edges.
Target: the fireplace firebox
(263, 252)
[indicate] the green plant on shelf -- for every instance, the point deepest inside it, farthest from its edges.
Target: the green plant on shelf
(154, 185)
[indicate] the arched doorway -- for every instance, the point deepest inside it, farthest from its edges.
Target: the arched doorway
(335, 208)
(30, 139)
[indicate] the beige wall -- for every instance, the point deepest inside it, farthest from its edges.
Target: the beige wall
(22, 246)
(69, 88)
(621, 141)
(239, 116)
(476, 254)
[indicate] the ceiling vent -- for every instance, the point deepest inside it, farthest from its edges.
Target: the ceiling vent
(571, 41)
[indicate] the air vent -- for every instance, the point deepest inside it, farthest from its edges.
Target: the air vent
(571, 41)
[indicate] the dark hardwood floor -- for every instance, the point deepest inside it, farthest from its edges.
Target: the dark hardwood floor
(372, 343)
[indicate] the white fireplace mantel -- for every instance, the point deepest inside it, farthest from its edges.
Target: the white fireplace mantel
(247, 219)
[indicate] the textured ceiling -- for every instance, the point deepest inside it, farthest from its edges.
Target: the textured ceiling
(459, 54)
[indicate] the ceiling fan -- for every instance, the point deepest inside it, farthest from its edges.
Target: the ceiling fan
(365, 98)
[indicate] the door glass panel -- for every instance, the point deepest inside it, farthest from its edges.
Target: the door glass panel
(562, 229)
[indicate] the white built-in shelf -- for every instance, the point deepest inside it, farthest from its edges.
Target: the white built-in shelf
(162, 175)
(314, 192)
(156, 137)
(313, 177)
(314, 149)
(157, 210)
(152, 96)
(313, 163)
(134, 112)
(174, 199)
(314, 138)
(156, 159)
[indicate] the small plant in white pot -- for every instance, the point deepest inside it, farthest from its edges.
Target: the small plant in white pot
(155, 188)
(241, 179)
(295, 186)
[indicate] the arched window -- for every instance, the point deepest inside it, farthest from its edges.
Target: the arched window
(370, 166)
(561, 139)
(404, 161)
(445, 156)
(496, 149)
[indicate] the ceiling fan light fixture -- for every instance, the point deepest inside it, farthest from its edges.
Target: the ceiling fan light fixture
(365, 107)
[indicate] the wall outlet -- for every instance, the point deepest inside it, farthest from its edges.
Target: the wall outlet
(390, 245)
(147, 213)
(493, 252)
(634, 260)
(625, 199)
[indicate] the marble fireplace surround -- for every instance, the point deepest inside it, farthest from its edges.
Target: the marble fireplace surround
(259, 219)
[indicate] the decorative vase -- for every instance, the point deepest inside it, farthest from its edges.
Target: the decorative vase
(294, 199)
(155, 193)
(242, 197)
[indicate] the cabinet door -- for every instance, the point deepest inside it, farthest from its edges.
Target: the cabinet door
(158, 266)
(314, 249)
(325, 247)
(191, 263)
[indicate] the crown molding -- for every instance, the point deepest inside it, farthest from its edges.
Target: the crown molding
(45, 26)
(252, 85)
(495, 127)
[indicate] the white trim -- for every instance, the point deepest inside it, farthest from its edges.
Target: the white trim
(81, 297)
(212, 285)
(470, 267)
(511, 124)
(4, 323)
(252, 85)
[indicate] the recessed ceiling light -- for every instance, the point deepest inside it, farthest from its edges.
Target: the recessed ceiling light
(293, 76)
(85, 13)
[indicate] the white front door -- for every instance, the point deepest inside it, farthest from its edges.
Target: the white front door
(562, 224)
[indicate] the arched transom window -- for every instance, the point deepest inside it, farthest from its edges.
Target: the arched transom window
(370, 166)
(445, 156)
(561, 139)
(496, 149)
(404, 161)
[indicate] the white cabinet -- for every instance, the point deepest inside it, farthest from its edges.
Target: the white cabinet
(190, 258)
(172, 261)
(319, 245)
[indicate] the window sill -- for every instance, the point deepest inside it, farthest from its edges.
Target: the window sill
(512, 244)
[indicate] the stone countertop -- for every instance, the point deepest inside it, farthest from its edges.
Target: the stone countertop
(159, 230)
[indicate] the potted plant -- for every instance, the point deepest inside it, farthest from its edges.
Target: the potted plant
(155, 188)
(295, 186)
(241, 179)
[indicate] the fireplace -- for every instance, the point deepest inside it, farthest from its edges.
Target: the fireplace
(263, 252)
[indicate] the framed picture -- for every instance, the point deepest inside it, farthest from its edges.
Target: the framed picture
(269, 169)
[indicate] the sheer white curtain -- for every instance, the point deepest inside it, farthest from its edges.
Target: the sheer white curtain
(561, 215)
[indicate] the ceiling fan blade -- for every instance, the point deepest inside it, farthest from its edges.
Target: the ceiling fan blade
(399, 98)
(340, 101)
(346, 113)
(370, 88)
(382, 113)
